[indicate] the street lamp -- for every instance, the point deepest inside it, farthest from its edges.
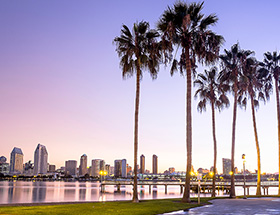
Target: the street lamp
(243, 158)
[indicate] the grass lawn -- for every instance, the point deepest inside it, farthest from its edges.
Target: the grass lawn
(145, 207)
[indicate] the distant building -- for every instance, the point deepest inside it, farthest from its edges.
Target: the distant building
(3, 159)
(155, 164)
(112, 170)
(124, 171)
(28, 168)
(142, 164)
(235, 170)
(83, 165)
(171, 170)
(40, 160)
(51, 168)
(212, 169)
(226, 166)
(96, 166)
(202, 171)
(4, 168)
(107, 169)
(128, 170)
(16, 161)
(120, 168)
(71, 168)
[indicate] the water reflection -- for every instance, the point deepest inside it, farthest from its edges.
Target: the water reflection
(28, 192)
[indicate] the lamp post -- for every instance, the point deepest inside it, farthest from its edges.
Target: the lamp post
(244, 179)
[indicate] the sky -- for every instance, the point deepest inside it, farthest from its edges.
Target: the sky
(61, 85)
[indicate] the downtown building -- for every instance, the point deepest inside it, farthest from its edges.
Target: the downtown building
(120, 168)
(71, 168)
(226, 166)
(4, 166)
(142, 164)
(83, 165)
(16, 161)
(155, 164)
(40, 160)
(97, 165)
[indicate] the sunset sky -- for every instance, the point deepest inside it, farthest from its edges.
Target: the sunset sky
(61, 85)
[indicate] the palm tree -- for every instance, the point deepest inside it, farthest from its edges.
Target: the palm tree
(213, 92)
(185, 27)
(231, 62)
(271, 70)
(138, 50)
(251, 87)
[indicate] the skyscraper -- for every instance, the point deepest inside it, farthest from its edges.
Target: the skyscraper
(40, 160)
(83, 165)
(16, 161)
(155, 164)
(124, 171)
(226, 166)
(142, 164)
(120, 168)
(96, 166)
(71, 168)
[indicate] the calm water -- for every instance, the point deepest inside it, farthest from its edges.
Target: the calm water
(58, 191)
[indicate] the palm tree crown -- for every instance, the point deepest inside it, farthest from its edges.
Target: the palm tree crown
(211, 90)
(138, 50)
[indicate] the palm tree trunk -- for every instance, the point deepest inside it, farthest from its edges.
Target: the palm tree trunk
(186, 195)
(232, 190)
(278, 118)
(135, 192)
(215, 150)
(257, 146)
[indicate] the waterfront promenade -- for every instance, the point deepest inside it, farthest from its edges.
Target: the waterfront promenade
(256, 206)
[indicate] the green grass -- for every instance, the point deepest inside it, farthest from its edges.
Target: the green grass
(146, 207)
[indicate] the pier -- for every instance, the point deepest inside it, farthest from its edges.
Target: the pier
(205, 187)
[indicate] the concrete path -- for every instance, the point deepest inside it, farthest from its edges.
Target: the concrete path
(256, 206)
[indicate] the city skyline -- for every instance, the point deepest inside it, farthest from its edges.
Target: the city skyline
(61, 86)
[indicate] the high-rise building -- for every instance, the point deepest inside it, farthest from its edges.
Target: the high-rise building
(226, 166)
(142, 164)
(16, 161)
(124, 170)
(96, 166)
(83, 165)
(120, 168)
(155, 164)
(40, 160)
(71, 168)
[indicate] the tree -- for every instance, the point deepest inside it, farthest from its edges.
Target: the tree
(210, 90)
(138, 50)
(184, 26)
(231, 63)
(270, 70)
(251, 87)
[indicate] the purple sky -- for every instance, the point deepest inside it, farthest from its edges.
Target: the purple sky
(61, 85)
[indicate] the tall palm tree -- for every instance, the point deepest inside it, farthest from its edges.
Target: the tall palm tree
(251, 87)
(185, 27)
(138, 50)
(271, 70)
(231, 63)
(210, 90)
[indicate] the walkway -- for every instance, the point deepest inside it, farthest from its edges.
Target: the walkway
(256, 206)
